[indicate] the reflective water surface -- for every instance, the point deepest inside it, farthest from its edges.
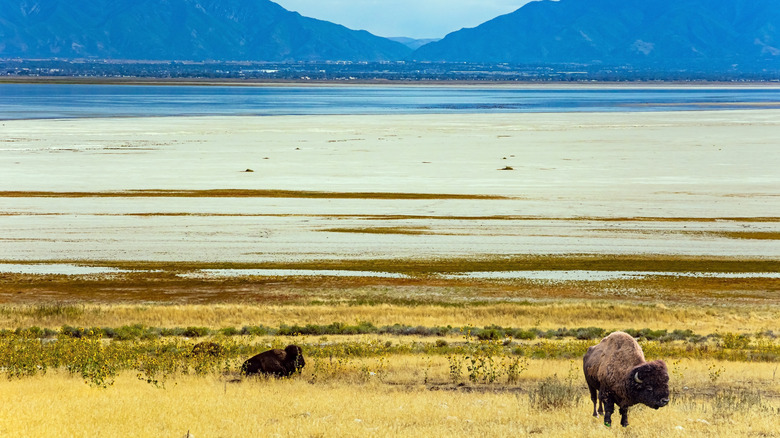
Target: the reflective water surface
(42, 101)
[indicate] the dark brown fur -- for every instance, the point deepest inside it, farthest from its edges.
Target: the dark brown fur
(276, 362)
(617, 372)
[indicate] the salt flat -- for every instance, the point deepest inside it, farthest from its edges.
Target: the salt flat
(602, 183)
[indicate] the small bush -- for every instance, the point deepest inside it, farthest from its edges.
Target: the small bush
(553, 393)
(650, 335)
(80, 332)
(456, 368)
(196, 332)
(491, 334)
(727, 403)
(177, 331)
(32, 332)
(735, 341)
(258, 330)
(525, 334)
(589, 333)
(70, 332)
(130, 332)
(514, 367)
(228, 331)
(679, 335)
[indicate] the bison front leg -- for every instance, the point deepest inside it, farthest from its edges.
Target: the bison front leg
(624, 417)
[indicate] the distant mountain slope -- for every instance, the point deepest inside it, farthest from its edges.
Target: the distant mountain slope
(621, 32)
(196, 30)
(414, 43)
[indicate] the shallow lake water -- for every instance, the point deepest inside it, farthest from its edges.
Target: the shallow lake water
(33, 101)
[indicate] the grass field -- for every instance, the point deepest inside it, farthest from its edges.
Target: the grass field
(211, 407)
(417, 356)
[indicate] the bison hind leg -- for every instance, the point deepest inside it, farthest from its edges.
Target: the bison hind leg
(593, 398)
(609, 407)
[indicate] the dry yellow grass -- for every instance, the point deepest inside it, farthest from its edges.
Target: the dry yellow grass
(692, 377)
(701, 319)
(59, 405)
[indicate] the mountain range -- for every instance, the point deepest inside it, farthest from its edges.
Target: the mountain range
(742, 33)
(190, 30)
(618, 32)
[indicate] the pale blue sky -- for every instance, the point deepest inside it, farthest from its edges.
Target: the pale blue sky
(408, 18)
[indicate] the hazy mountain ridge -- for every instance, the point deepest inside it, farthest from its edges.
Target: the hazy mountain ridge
(620, 32)
(414, 43)
(241, 30)
(664, 34)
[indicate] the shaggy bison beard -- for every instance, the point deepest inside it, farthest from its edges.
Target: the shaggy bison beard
(276, 362)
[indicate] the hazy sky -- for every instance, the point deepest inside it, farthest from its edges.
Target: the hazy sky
(408, 18)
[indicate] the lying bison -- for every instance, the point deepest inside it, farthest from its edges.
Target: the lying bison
(617, 369)
(280, 363)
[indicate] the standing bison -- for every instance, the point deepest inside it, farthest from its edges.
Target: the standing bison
(276, 362)
(617, 369)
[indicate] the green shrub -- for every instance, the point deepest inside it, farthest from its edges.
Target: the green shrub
(256, 331)
(456, 368)
(228, 331)
(679, 335)
(735, 341)
(129, 332)
(177, 331)
(650, 335)
(196, 332)
(80, 332)
(491, 334)
(553, 393)
(71, 332)
(589, 333)
(526, 334)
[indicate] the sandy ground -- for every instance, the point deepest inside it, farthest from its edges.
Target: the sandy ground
(571, 176)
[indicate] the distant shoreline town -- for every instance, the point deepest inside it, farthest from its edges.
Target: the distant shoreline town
(396, 72)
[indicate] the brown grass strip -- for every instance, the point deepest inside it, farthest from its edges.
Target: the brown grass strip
(427, 266)
(144, 288)
(241, 193)
(753, 235)
(400, 217)
(414, 231)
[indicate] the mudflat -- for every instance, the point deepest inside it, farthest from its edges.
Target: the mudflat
(245, 189)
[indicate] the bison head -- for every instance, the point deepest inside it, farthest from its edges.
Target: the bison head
(649, 384)
(294, 357)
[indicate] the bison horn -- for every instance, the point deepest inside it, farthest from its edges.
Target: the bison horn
(636, 377)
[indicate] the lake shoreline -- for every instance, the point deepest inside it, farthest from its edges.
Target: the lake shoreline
(208, 82)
